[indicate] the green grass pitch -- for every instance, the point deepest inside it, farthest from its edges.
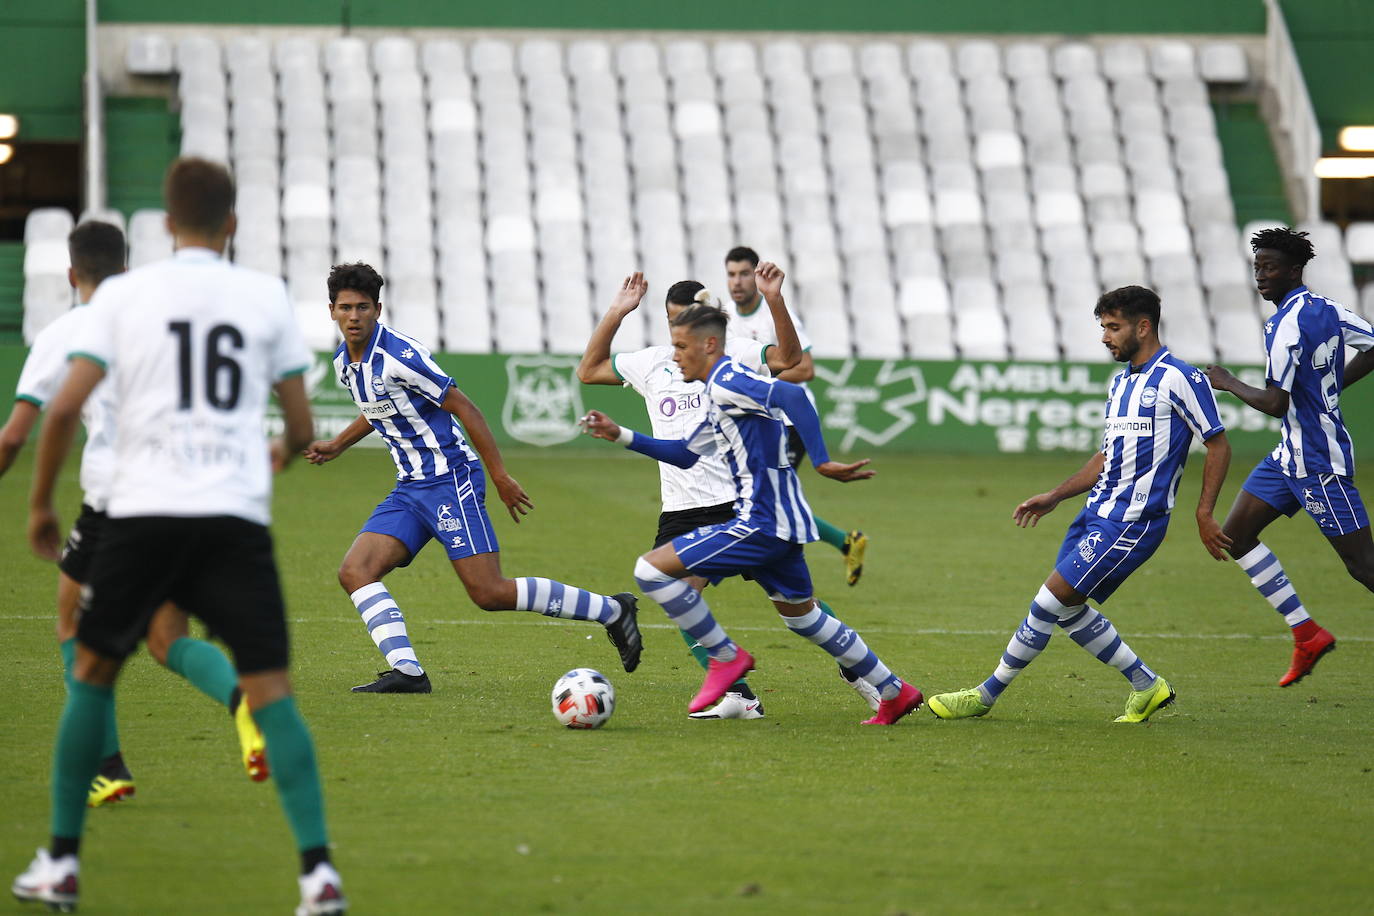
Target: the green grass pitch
(1242, 798)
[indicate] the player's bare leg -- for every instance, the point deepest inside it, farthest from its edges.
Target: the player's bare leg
(491, 590)
(1249, 516)
(370, 558)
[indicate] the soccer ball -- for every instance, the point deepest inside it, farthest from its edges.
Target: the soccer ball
(583, 698)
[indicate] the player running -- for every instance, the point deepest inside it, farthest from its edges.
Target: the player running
(772, 520)
(1313, 466)
(440, 492)
(1155, 407)
(748, 319)
(194, 346)
(96, 250)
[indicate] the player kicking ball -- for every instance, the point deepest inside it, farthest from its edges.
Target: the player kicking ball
(1156, 405)
(440, 491)
(772, 520)
(1313, 466)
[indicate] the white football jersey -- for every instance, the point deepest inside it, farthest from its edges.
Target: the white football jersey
(193, 345)
(44, 371)
(676, 408)
(758, 325)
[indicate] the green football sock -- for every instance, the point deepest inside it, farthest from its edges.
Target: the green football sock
(205, 666)
(111, 746)
(291, 755)
(77, 755)
(829, 533)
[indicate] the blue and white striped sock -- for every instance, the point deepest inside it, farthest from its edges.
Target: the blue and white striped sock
(1267, 575)
(1096, 633)
(1026, 643)
(554, 599)
(387, 627)
(687, 608)
(847, 647)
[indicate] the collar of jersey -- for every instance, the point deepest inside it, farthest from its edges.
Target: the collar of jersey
(1293, 296)
(711, 376)
(195, 253)
(371, 346)
(1163, 352)
(758, 304)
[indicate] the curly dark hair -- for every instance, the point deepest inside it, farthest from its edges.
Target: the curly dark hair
(357, 276)
(1131, 303)
(1293, 245)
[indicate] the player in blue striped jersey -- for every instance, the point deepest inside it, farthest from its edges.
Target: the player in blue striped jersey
(1313, 466)
(744, 423)
(1155, 408)
(440, 493)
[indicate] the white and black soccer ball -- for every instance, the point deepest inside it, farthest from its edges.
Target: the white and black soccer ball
(583, 698)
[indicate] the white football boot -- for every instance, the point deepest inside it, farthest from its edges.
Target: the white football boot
(48, 880)
(321, 892)
(733, 705)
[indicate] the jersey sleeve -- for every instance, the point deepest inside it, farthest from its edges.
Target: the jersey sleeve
(749, 353)
(1285, 353)
(1193, 399)
(415, 369)
(290, 356)
(44, 368)
(1355, 331)
(94, 338)
(633, 368)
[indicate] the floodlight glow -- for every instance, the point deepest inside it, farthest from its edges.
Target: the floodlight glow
(1357, 139)
(1345, 167)
(9, 126)
(6, 153)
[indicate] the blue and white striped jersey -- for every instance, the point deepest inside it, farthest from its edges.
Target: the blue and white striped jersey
(399, 388)
(1305, 344)
(1152, 415)
(744, 428)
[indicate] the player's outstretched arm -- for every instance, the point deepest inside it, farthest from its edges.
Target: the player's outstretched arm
(1358, 368)
(1030, 511)
(322, 450)
(1271, 399)
(787, 352)
(517, 501)
(596, 367)
(16, 432)
(670, 451)
(299, 423)
(1213, 476)
(54, 442)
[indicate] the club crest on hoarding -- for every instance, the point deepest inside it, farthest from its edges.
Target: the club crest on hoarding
(542, 399)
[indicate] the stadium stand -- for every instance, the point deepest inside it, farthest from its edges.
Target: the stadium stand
(932, 198)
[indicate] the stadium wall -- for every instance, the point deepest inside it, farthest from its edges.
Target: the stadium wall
(958, 407)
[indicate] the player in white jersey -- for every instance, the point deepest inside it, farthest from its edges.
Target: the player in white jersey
(703, 494)
(1313, 466)
(440, 492)
(1157, 405)
(194, 346)
(748, 318)
(772, 521)
(97, 252)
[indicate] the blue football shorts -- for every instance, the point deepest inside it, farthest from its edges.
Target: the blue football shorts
(450, 509)
(716, 552)
(1331, 500)
(1098, 554)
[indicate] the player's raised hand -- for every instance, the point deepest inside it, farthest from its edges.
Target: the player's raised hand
(44, 534)
(320, 451)
(769, 278)
(513, 495)
(1032, 510)
(1213, 538)
(1220, 377)
(630, 293)
(599, 426)
(844, 473)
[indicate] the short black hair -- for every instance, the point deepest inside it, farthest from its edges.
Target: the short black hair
(701, 317)
(199, 194)
(96, 250)
(1293, 245)
(356, 276)
(684, 292)
(1131, 303)
(741, 253)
